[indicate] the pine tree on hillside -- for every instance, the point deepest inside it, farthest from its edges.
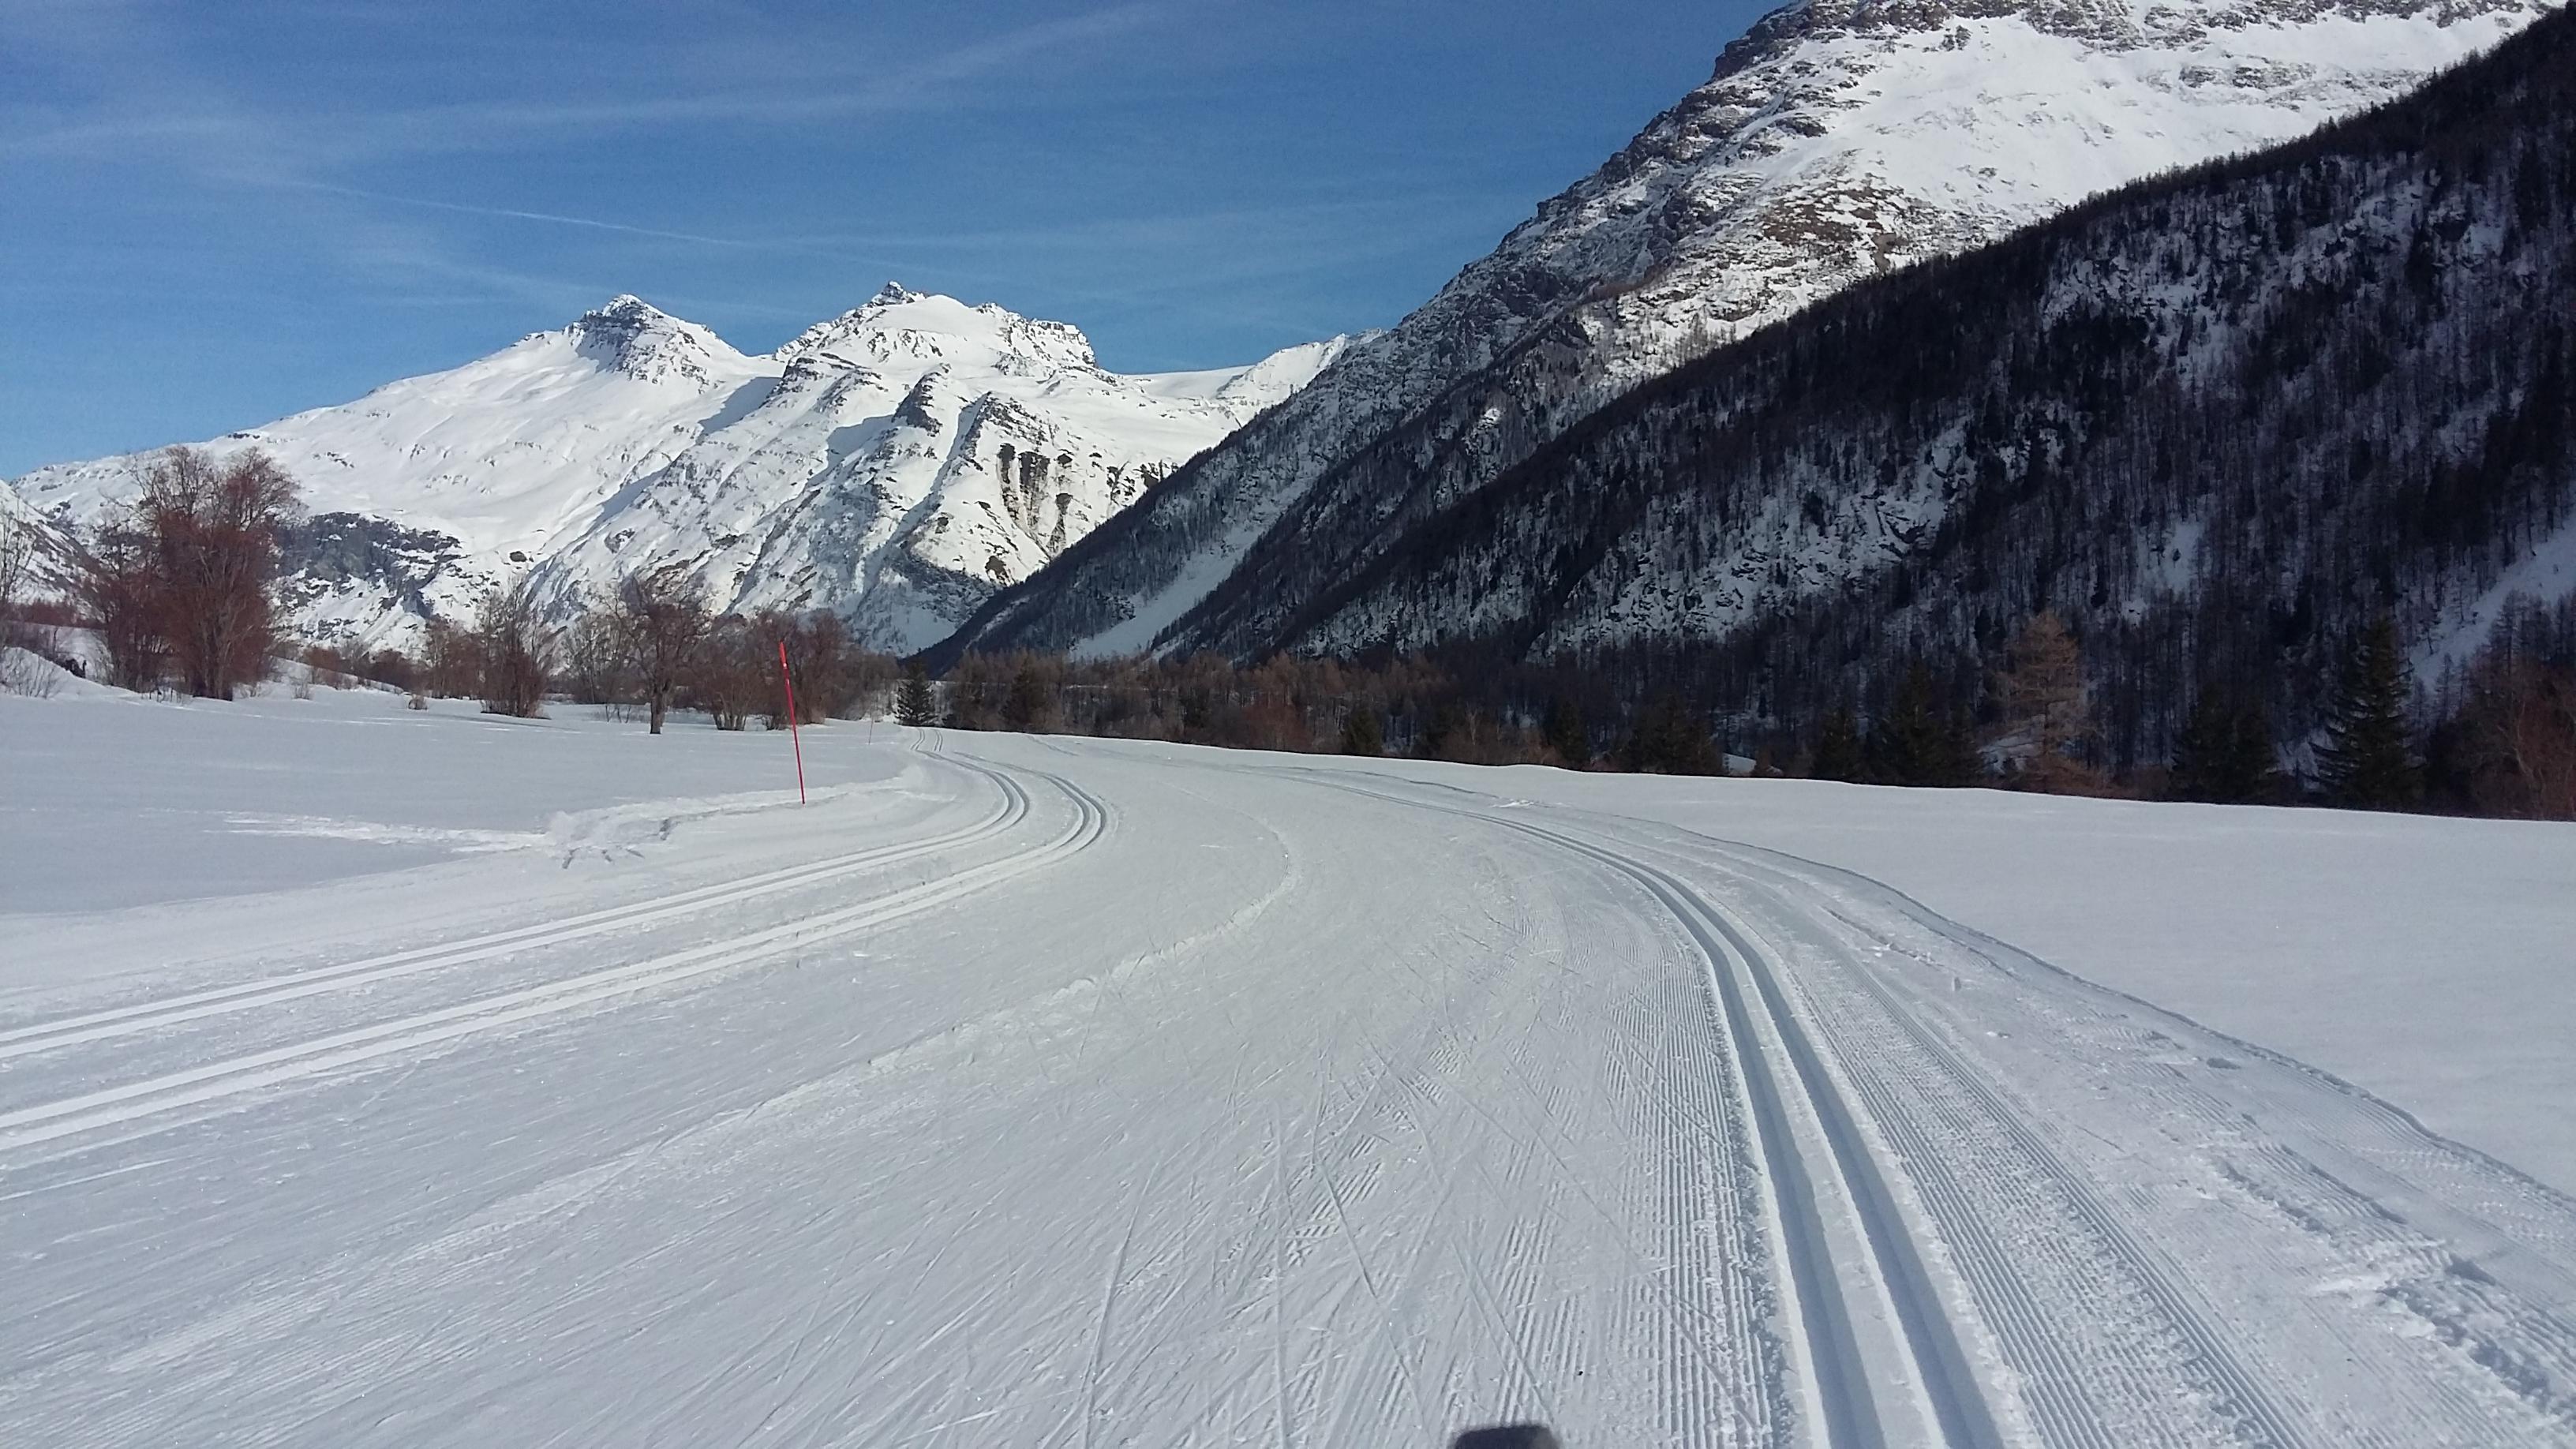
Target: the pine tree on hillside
(2365, 762)
(1566, 733)
(914, 704)
(1916, 742)
(1447, 725)
(2225, 754)
(1363, 733)
(1963, 764)
(1027, 708)
(1671, 739)
(1838, 748)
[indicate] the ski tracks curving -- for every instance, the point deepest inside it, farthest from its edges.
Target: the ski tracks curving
(1951, 1272)
(135, 1104)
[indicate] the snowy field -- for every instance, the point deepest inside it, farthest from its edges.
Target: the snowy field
(378, 1077)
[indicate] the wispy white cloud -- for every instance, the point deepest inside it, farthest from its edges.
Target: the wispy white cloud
(165, 105)
(119, 90)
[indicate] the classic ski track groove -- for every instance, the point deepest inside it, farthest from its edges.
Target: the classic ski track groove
(1956, 1198)
(1957, 1400)
(147, 1016)
(155, 1096)
(1851, 1416)
(2013, 1316)
(2505, 1335)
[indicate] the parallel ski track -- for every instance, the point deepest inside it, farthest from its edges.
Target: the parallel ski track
(1957, 1399)
(1742, 986)
(135, 1102)
(2228, 1383)
(2097, 1246)
(146, 1016)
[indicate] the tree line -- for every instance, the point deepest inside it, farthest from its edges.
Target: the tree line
(180, 587)
(651, 646)
(2496, 735)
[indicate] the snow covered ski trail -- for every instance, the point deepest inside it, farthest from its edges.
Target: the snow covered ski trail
(2106, 1310)
(1130, 1094)
(1010, 808)
(135, 1102)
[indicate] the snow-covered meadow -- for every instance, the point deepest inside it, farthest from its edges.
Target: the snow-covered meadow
(379, 1076)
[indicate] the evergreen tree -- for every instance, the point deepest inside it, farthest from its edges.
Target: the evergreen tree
(1565, 732)
(1960, 762)
(2225, 754)
(1448, 721)
(1838, 748)
(1671, 738)
(2365, 762)
(1363, 733)
(1913, 741)
(914, 704)
(1027, 707)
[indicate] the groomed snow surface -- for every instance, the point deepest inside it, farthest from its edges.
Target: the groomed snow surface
(380, 1077)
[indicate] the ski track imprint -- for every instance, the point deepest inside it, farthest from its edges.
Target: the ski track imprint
(2034, 1300)
(128, 1104)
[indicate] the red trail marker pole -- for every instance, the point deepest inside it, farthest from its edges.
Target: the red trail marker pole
(792, 737)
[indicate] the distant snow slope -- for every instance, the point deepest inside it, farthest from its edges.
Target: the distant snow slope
(46, 560)
(1028, 1091)
(898, 463)
(1838, 139)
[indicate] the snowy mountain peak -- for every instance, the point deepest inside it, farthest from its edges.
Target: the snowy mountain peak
(898, 327)
(632, 336)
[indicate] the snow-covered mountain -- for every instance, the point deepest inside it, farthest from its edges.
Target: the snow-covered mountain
(1839, 139)
(2217, 422)
(40, 551)
(899, 463)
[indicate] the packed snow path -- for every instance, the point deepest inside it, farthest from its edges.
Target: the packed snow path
(1051, 1092)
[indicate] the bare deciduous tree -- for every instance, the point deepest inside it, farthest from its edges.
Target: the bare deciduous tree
(20, 673)
(118, 589)
(663, 613)
(213, 530)
(599, 662)
(16, 554)
(2046, 707)
(519, 651)
(731, 674)
(184, 575)
(2524, 714)
(452, 661)
(829, 672)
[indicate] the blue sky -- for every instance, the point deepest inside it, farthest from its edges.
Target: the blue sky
(215, 214)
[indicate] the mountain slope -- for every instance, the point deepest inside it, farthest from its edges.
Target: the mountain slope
(898, 463)
(2217, 421)
(34, 546)
(1835, 141)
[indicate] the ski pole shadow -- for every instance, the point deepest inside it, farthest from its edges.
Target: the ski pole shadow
(1507, 1436)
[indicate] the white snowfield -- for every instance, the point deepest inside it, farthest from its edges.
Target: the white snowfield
(388, 1078)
